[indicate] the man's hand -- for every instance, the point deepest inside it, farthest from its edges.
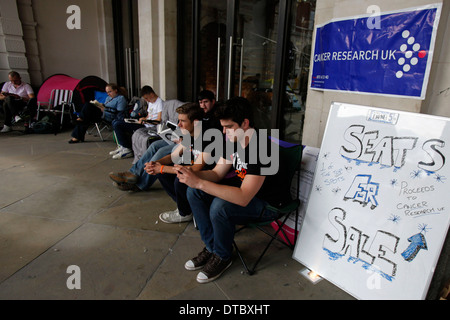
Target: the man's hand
(142, 120)
(7, 94)
(153, 168)
(187, 176)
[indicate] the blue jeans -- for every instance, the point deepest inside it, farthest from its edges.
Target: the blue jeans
(217, 219)
(155, 151)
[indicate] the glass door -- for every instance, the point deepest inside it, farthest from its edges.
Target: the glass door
(126, 33)
(212, 26)
(253, 55)
(236, 45)
(297, 69)
(237, 51)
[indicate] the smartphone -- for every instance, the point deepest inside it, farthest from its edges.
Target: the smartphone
(171, 125)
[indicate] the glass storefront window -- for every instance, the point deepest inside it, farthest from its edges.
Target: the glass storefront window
(299, 55)
(257, 30)
(238, 49)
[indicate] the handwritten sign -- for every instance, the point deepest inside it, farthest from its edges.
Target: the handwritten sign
(378, 213)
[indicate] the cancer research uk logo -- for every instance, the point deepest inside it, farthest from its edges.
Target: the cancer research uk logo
(393, 59)
(412, 54)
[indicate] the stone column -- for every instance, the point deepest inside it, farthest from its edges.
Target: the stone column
(12, 45)
(29, 25)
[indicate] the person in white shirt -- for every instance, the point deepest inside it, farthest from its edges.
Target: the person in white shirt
(124, 130)
(15, 95)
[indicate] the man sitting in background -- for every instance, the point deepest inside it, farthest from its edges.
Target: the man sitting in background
(15, 95)
(124, 130)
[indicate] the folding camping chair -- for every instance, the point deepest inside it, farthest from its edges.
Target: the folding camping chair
(58, 98)
(290, 162)
(100, 127)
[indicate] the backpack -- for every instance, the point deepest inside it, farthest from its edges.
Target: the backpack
(43, 126)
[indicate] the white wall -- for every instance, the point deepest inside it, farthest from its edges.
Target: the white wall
(12, 46)
(77, 52)
(318, 102)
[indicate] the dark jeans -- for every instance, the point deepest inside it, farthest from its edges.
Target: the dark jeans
(124, 131)
(89, 114)
(12, 108)
(177, 191)
(217, 219)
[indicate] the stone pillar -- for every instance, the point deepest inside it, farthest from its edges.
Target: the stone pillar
(12, 46)
(29, 24)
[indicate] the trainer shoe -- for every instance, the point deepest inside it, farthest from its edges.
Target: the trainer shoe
(115, 151)
(6, 129)
(213, 269)
(17, 119)
(174, 217)
(199, 261)
(126, 187)
(124, 177)
(123, 154)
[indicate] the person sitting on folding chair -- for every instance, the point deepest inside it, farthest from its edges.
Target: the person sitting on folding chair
(16, 95)
(113, 109)
(217, 207)
(124, 130)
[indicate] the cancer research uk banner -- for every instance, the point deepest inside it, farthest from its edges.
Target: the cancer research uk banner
(389, 54)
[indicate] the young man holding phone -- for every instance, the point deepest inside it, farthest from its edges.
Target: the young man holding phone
(217, 206)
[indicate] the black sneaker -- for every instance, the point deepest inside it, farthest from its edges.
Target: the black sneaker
(199, 261)
(213, 269)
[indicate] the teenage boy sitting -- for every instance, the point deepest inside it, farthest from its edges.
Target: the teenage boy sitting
(189, 153)
(124, 130)
(137, 178)
(218, 208)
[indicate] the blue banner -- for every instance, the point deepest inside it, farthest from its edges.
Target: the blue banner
(390, 57)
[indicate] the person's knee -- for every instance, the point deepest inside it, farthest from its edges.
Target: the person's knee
(179, 186)
(116, 125)
(220, 209)
(193, 194)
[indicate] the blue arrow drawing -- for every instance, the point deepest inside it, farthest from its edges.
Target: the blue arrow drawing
(418, 242)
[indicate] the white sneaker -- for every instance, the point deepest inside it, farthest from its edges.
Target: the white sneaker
(114, 152)
(17, 119)
(123, 154)
(6, 129)
(174, 217)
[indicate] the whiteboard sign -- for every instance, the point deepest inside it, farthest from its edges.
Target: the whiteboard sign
(378, 213)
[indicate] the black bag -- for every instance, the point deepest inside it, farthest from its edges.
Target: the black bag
(43, 126)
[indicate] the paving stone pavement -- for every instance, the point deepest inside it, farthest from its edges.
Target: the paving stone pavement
(58, 208)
